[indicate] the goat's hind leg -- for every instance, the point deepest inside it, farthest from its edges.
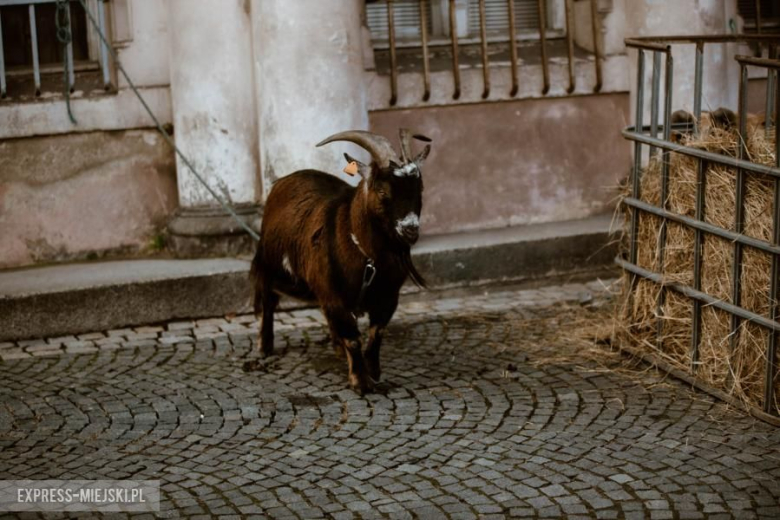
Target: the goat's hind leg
(266, 301)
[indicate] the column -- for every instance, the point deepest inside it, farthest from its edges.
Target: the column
(310, 82)
(214, 117)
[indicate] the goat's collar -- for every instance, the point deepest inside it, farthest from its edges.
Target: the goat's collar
(362, 251)
(369, 272)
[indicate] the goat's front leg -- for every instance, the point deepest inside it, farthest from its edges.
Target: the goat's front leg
(345, 332)
(378, 319)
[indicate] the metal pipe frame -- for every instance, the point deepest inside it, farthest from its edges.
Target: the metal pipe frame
(701, 180)
(3, 87)
(739, 221)
(654, 98)
(646, 135)
(666, 162)
(770, 398)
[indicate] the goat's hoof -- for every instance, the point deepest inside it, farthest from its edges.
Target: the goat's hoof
(361, 385)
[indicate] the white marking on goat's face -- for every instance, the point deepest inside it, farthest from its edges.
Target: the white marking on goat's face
(286, 264)
(407, 169)
(410, 220)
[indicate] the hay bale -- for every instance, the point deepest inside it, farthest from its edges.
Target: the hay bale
(741, 372)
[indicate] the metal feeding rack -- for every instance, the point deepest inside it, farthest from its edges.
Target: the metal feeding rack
(662, 51)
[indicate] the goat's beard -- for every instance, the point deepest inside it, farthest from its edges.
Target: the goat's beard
(408, 265)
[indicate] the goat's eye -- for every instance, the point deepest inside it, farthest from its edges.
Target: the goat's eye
(383, 194)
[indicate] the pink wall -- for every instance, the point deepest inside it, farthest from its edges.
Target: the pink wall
(517, 162)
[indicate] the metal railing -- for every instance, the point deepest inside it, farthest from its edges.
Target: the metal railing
(647, 135)
(486, 43)
(36, 66)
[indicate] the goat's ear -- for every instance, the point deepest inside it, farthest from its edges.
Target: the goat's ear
(420, 159)
(354, 166)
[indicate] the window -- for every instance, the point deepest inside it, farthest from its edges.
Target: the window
(770, 15)
(30, 66)
(17, 36)
(407, 20)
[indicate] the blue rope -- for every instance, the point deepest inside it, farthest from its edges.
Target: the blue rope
(162, 130)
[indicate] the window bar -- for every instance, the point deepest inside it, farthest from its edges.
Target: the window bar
(485, 60)
(701, 179)
(770, 404)
(596, 26)
(34, 45)
(393, 59)
(69, 49)
(103, 50)
(570, 45)
(669, 72)
(454, 40)
(2, 64)
(758, 16)
(637, 171)
(424, 37)
(771, 77)
(739, 216)
(655, 99)
(513, 47)
(543, 44)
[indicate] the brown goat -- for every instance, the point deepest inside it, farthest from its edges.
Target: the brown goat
(345, 248)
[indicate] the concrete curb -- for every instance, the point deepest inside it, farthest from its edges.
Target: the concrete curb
(76, 298)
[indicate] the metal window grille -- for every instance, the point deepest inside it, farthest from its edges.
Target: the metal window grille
(407, 18)
(497, 16)
(484, 16)
(760, 15)
(647, 135)
(29, 44)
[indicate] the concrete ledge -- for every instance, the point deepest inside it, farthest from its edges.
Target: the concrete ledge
(71, 299)
(517, 253)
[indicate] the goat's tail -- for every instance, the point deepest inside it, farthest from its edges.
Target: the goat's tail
(256, 279)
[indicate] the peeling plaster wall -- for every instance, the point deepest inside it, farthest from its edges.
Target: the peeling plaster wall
(111, 196)
(518, 162)
(307, 88)
(212, 89)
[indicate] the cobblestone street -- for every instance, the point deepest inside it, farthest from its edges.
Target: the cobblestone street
(486, 410)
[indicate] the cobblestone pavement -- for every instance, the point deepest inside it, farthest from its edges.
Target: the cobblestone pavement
(475, 418)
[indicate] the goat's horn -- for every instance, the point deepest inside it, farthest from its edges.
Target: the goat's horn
(406, 149)
(379, 147)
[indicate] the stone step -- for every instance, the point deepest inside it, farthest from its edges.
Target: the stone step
(76, 298)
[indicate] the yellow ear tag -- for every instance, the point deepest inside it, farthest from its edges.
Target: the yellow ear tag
(351, 168)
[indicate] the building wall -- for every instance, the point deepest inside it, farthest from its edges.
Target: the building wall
(108, 184)
(83, 195)
(517, 162)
